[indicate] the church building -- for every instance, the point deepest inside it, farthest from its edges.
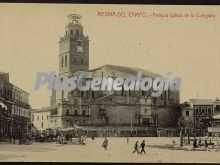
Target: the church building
(113, 111)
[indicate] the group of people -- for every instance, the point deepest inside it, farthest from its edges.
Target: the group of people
(205, 144)
(22, 139)
(139, 149)
(70, 139)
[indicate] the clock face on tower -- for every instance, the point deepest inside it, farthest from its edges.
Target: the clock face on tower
(79, 49)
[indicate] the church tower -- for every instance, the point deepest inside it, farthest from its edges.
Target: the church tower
(73, 57)
(73, 52)
(73, 48)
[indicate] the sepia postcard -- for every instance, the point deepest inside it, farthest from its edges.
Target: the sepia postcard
(109, 83)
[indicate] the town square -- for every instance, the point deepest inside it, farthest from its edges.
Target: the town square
(118, 151)
(88, 88)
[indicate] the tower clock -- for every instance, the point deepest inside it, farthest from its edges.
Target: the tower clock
(73, 48)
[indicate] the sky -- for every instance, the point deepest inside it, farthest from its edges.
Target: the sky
(188, 47)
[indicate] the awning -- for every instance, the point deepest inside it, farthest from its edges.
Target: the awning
(216, 116)
(68, 129)
(2, 105)
(213, 129)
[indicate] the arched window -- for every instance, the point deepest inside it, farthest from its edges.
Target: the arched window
(84, 113)
(76, 112)
(66, 32)
(62, 94)
(75, 60)
(77, 32)
(66, 60)
(67, 112)
(62, 61)
(71, 32)
(82, 61)
(122, 91)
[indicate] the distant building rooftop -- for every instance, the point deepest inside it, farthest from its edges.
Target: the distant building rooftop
(3, 72)
(201, 101)
(185, 104)
(131, 70)
(44, 109)
(123, 69)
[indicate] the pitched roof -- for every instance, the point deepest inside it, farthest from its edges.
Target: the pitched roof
(201, 101)
(3, 72)
(129, 70)
(185, 104)
(45, 109)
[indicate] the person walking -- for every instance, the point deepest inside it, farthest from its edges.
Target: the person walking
(195, 143)
(142, 146)
(19, 138)
(93, 137)
(200, 143)
(105, 143)
(173, 143)
(136, 148)
(14, 138)
(218, 147)
(205, 144)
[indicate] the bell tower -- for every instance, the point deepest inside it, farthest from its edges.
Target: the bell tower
(73, 48)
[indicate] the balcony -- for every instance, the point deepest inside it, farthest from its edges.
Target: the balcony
(78, 101)
(102, 115)
(77, 115)
(125, 100)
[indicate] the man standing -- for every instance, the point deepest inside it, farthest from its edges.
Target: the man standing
(136, 148)
(142, 146)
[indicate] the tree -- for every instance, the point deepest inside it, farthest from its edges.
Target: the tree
(204, 122)
(186, 125)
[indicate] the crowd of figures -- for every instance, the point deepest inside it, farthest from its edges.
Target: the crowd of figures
(61, 137)
(203, 143)
(49, 135)
(25, 138)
